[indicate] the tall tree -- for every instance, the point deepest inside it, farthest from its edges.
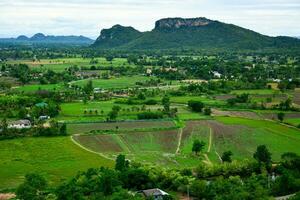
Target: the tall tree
(198, 146)
(166, 103)
(262, 155)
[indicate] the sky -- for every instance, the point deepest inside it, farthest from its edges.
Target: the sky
(88, 17)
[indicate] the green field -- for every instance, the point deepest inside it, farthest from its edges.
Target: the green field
(258, 91)
(80, 112)
(294, 121)
(79, 128)
(113, 83)
(239, 135)
(35, 87)
(59, 65)
(56, 158)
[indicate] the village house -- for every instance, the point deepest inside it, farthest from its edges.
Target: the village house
(155, 194)
(44, 117)
(216, 74)
(20, 124)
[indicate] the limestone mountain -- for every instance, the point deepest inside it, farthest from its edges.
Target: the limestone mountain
(191, 33)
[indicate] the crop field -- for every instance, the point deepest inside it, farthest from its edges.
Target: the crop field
(59, 65)
(98, 110)
(80, 128)
(140, 146)
(239, 135)
(55, 158)
(296, 98)
(233, 113)
(113, 83)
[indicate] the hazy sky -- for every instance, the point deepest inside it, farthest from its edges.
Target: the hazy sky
(88, 17)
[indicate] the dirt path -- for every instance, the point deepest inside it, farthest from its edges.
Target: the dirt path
(179, 140)
(207, 160)
(219, 156)
(86, 149)
(210, 140)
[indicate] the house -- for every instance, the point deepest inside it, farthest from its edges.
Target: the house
(216, 74)
(44, 117)
(149, 72)
(98, 90)
(156, 193)
(20, 124)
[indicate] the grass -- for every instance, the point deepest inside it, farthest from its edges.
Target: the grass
(35, 87)
(258, 91)
(278, 138)
(55, 158)
(293, 121)
(185, 99)
(114, 83)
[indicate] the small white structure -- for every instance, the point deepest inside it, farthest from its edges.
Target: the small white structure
(216, 74)
(44, 117)
(156, 194)
(149, 72)
(20, 124)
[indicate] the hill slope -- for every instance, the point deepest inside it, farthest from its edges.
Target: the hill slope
(194, 33)
(116, 36)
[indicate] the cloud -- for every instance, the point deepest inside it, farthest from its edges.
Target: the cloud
(88, 17)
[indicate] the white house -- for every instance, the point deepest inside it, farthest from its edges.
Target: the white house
(20, 124)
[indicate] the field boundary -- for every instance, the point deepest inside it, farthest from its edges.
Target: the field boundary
(86, 149)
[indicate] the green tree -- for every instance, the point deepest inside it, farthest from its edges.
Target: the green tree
(198, 146)
(32, 188)
(4, 126)
(262, 155)
(166, 103)
(207, 111)
(88, 88)
(280, 116)
(121, 163)
(63, 129)
(226, 156)
(196, 106)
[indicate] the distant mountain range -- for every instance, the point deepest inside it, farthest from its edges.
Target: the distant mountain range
(40, 38)
(192, 33)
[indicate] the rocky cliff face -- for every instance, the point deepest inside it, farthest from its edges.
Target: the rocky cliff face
(171, 23)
